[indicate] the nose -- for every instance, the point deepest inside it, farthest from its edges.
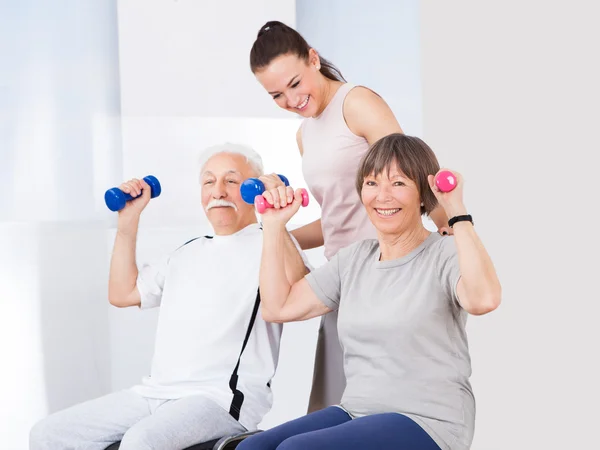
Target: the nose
(383, 194)
(292, 103)
(219, 191)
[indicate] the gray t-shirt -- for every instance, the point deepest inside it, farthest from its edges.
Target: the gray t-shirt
(402, 332)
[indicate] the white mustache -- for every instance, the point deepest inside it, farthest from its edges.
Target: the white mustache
(216, 202)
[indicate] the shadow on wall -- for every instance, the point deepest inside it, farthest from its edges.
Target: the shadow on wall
(75, 337)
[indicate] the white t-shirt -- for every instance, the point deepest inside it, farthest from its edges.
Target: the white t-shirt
(207, 291)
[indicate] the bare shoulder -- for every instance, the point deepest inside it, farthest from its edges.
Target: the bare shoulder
(362, 97)
(368, 115)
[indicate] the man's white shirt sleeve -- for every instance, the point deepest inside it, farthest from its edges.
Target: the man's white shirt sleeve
(151, 281)
(302, 255)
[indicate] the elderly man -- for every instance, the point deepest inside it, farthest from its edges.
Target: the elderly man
(214, 355)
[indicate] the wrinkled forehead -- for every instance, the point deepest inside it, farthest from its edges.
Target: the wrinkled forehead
(230, 172)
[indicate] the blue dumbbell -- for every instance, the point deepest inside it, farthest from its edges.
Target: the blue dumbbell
(252, 190)
(116, 199)
(252, 187)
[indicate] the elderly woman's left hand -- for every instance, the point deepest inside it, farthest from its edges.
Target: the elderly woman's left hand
(452, 201)
(282, 214)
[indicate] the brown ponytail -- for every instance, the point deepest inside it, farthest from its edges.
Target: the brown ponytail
(275, 39)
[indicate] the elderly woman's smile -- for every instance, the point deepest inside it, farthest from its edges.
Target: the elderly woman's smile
(387, 212)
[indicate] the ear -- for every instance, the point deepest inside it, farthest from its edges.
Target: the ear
(313, 59)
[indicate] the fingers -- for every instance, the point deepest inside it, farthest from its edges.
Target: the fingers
(134, 187)
(431, 181)
(295, 204)
(283, 196)
(271, 196)
(279, 197)
(125, 187)
(298, 198)
(146, 189)
(445, 231)
(271, 181)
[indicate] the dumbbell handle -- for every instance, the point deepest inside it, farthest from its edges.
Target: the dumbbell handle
(445, 181)
(262, 204)
(116, 199)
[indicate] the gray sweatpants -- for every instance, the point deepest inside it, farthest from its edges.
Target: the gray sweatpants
(140, 423)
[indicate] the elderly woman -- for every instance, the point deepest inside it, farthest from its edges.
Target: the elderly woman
(403, 301)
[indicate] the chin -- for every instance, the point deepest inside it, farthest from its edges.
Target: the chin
(305, 113)
(389, 229)
(223, 222)
(223, 217)
(386, 226)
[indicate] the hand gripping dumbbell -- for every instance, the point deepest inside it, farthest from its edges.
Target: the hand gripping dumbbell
(252, 190)
(116, 199)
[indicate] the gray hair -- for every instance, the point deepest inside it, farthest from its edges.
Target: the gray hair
(252, 157)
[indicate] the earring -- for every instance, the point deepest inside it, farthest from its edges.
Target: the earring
(422, 204)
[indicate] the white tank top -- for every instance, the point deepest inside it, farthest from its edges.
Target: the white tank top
(331, 156)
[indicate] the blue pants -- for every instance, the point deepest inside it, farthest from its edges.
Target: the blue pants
(333, 428)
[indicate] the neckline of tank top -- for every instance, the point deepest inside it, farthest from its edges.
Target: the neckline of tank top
(337, 92)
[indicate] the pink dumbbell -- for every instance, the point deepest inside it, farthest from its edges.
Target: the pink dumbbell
(262, 204)
(445, 181)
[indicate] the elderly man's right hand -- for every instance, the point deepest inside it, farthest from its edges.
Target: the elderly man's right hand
(130, 214)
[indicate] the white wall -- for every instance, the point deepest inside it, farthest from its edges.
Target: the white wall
(510, 99)
(191, 58)
(59, 144)
(59, 109)
(54, 323)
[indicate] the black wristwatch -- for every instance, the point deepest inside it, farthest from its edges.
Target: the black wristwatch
(465, 218)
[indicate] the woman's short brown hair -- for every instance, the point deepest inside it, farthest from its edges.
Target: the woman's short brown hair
(414, 158)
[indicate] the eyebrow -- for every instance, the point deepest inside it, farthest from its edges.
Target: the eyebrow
(288, 85)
